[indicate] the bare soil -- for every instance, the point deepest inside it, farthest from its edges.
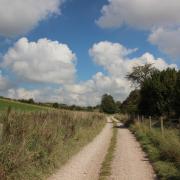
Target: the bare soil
(130, 162)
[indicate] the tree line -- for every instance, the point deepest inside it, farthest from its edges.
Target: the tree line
(157, 92)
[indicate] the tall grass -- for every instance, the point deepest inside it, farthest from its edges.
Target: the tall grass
(34, 144)
(163, 150)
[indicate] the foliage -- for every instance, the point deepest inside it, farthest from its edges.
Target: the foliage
(35, 143)
(157, 93)
(107, 104)
(130, 105)
(55, 105)
(140, 73)
(177, 95)
(118, 106)
(30, 101)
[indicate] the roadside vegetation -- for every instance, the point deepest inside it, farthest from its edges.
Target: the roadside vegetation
(162, 150)
(33, 144)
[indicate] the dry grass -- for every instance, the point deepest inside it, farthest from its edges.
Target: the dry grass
(34, 144)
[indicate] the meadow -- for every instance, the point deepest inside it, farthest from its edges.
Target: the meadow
(34, 140)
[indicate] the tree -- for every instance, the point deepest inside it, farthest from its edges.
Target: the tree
(140, 73)
(107, 104)
(157, 93)
(177, 95)
(118, 106)
(55, 105)
(31, 101)
(130, 105)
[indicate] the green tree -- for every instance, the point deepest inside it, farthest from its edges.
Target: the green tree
(140, 73)
(118, 106)
(130, 105)
(157, 93)
(107, 104)
(55, 105)
(177, 95)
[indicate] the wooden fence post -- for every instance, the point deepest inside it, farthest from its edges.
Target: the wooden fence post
(1, 132)
(162, 126)
(150, 123)
(142, 119)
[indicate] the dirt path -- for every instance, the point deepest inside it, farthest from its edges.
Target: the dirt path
(129, 161)
(87, 163)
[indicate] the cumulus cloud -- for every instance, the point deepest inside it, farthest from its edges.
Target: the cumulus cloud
(90, 92)
(113, 57)
(143, 14)
(44, 61)
(167, 40)
(160, 17)
(19, 16)
(47, 94)
(4, 83)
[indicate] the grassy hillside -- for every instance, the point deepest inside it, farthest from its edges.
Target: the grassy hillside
(33, 144)
(18, 106)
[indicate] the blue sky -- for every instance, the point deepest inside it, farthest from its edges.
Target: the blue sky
(80, 25)
(77, 28)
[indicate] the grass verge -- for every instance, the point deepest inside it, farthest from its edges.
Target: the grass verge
(33, 144)
(163, 151)
(105, 170)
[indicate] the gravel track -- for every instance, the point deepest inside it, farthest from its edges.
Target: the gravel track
(130, 162)
(87, 163)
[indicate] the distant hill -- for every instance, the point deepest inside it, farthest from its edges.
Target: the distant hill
(19, 106)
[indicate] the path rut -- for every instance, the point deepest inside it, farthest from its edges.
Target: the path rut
(130, 162)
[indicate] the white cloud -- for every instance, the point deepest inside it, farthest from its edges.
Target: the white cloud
(160, 17)
(21, 93)
(143, 14)
(20, 16)
(4, 83)
(42, 61)
(167, 40)
(90, 92)
(47, 94)
(113, 57)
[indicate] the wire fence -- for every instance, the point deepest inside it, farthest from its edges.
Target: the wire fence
(155, 122)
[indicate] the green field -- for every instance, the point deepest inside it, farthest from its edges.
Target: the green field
(18, 106)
